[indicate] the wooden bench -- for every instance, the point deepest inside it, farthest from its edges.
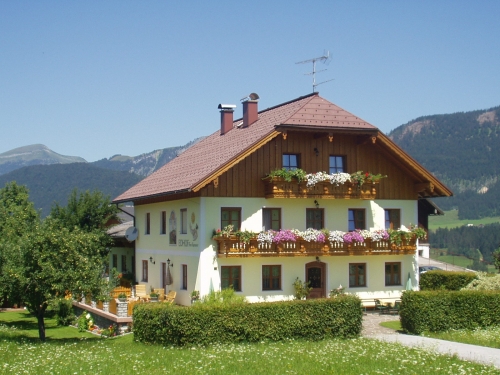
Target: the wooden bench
(140, 291)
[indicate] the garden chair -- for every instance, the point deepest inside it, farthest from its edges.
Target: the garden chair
(395, 310)
(382, 309)
(161, 293)
(140, 291)
(170, 298)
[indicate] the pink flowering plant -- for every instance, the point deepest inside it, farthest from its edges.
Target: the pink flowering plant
(354, 236)
(284, 236)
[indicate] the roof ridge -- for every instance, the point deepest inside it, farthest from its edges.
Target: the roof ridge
(283, 104)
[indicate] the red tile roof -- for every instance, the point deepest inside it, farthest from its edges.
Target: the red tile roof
(205, 158)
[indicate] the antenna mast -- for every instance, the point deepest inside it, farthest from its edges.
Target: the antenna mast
(325, 58)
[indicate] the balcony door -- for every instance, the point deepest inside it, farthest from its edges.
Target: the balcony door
(316, 275)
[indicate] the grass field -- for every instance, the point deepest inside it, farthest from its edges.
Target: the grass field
(69, 352)
(450, 220)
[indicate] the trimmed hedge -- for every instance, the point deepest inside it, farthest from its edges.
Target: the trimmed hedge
(438, 311)
(253, 322)
(445, 280)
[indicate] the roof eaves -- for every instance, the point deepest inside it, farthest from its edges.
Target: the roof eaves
(136, 199)
(235, 160)
(414, 164)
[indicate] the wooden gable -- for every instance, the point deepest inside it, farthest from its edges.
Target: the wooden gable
(361, 154)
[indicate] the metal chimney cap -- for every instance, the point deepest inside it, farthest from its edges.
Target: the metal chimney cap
(226, 106)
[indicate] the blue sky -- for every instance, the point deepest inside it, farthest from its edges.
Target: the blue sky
(99, 78)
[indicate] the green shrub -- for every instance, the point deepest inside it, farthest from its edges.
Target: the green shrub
(438, 311)
(62, 310)
(204, 324)
(224, 297)
(484, 281)
(445, 280)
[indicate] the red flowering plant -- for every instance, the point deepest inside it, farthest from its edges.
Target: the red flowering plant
(361, 177)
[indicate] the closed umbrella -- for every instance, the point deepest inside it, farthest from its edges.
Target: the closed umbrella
(409, 285)
(168, 277)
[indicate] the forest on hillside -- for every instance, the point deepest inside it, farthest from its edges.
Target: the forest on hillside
(467, 240)
(48, 184)
(463, 150)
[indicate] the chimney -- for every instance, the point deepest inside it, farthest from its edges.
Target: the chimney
(250, 109)
(226, 117)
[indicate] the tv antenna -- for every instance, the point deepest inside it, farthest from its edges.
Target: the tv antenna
(326, 58)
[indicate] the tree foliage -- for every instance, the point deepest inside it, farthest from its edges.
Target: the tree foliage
(46, 259)
(87, 211)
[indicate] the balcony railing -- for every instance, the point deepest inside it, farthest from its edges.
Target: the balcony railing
(279, 188)
(233, 247)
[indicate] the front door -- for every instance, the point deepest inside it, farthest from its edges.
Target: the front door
(315, 274)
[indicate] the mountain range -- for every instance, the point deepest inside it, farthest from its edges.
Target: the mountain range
(462, 149)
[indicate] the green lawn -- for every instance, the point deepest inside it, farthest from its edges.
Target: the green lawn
(69, 352)
(450, 220)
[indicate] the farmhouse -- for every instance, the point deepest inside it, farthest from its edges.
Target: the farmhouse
(242, 177)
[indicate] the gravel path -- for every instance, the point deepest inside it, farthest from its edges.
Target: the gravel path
(479, 354)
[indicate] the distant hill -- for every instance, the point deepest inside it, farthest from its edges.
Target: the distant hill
(33, 155)
(463, 150)
(53, 183)
(144, 164)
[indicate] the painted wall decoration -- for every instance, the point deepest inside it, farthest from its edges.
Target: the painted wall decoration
(193, 227)
(172, 229)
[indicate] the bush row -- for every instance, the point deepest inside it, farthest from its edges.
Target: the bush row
(445, 280)
(271, 321)
(438, 311)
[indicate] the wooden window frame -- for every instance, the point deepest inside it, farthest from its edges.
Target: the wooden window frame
(392, 274)
(230, 221)
(356, 275)
(270, 210)
(389, 216)
(287, 165)
(335, 168)
(114, 261)
(270, 277)
(124, 263)
(163, 222)
(148, 223)
(230, 279)
(144, 276)
(184, 220)
(184, 284)
(355, 222)
(308, 221)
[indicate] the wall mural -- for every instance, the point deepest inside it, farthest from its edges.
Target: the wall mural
(172, 223)
(193, 227)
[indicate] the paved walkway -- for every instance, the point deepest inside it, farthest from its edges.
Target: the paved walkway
(480, 354)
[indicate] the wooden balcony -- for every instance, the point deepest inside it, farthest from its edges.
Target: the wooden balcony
(233, 247)
(279, 188)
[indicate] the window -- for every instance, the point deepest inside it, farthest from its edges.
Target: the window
(291, 161)
(271, 218)
(148, 223)
(336, 164)
(184, 220)
(124, 263)
(357, 274)
(392, 219)
(393, 273)
(114, 264)
(184, 277)
(356, 219)
(163, 227)
(231, 277)
(271, 277)
(145, 270)
(230, 216)
(314, 218)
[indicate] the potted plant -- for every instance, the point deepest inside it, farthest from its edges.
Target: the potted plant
(122, 297)
(154, 296)
(195, 296)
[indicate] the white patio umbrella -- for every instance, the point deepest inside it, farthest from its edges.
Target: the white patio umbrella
(409, 285)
